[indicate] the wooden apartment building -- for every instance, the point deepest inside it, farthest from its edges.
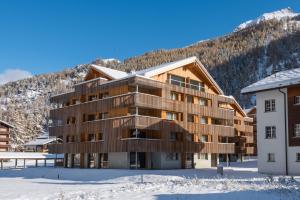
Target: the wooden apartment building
(169, 116)
(4, 136)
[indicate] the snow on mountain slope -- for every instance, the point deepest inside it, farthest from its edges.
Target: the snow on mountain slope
(277, 15)
(107, 60)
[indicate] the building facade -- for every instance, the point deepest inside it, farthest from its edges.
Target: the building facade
(5, 136)
(169, 116)
(278, 122)
(251, 112)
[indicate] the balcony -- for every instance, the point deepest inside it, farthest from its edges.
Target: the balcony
(4, 139)
(244, 128)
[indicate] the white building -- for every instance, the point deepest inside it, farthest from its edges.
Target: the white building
(278, 122)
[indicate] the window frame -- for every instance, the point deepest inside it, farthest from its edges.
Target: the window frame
(270, 105)
(297, 100)
(270, 156)
(297, 157)
(272, 133)
(296, 130)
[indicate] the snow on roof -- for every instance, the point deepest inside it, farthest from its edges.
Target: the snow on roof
(112, 73)
(6, 123)
(278, 15)
(152, 71)
(278, 80)
(248, 110)
(40, 141)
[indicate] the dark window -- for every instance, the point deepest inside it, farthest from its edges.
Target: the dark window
(270, 105)
(190, 118)
(270, 132)
(271, 157)
(297, 157)
(297, 100)
(190, 99)
(297, 130)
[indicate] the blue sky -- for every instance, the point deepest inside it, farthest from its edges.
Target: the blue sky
(48, 36)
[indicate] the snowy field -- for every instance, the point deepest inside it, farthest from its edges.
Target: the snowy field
(240, 181)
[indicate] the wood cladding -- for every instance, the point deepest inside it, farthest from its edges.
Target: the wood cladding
(4, 137)
(293, 114)
(125, 107)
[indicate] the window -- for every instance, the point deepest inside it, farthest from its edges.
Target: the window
(270, 132)
(189, 137)
(91, 137)
(92, 97)
(172, 116)
(174, 96)
(271, 157)
(176, 80)
(190, 118)
(297, 130)
(297, 157)
(297, 100)
(204, 138)
(91, 117)
(203, 120)
(202, 102)
(203, 156)
(172, 156)
(103, 115)
(196, 85)
(190, 99)
(103, 95)
(270, 105)
(173, 136)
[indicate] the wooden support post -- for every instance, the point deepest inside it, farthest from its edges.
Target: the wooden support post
(45, 162)
(16, 163)
(36, 163)
(24, 163)
(1, 163)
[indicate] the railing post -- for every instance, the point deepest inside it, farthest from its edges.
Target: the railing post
(1, 163)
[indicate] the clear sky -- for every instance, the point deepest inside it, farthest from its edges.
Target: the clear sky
(45, 36)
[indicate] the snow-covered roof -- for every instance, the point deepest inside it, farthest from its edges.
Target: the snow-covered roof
(152, 71)
(278, 80)
(248, 110)
(277, 15)
(112, 73)
(40, 141)
(6, 123)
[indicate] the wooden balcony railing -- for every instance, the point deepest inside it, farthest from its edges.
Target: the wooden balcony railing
(4, 139)
(244, 128)
(141, 122)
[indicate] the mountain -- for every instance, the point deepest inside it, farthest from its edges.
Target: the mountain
(255, 49)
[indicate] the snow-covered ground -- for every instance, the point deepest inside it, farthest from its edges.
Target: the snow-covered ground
(241, 181)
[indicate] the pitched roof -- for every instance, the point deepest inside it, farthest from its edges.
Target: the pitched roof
(112, 73)
(40, 141)
(278, 80)
(6, 123)
(152, 71)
